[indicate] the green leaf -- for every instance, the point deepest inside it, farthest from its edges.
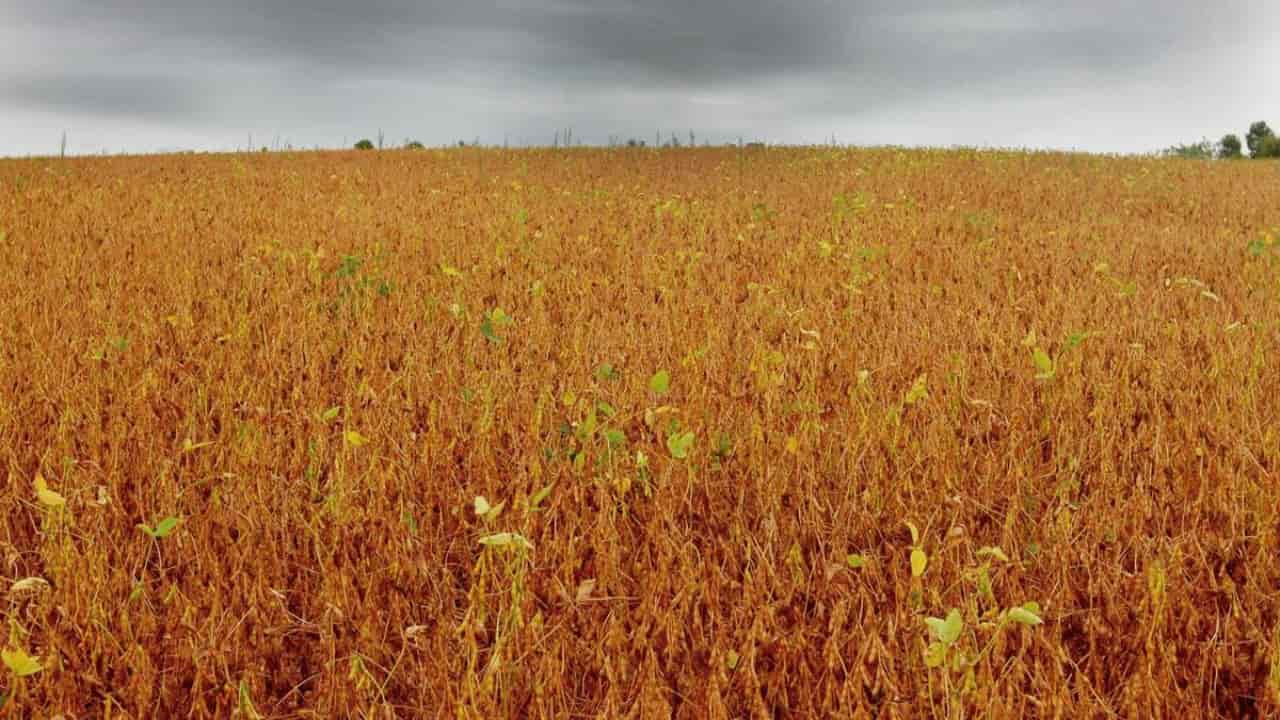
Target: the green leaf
(856, 561)
(606, 372)
(493, 319)
(1043, 363)
(1075, 339)
(984, 585)
(919, 390)
(993, 551)
(615, 438)
(536, 501)
(20, 663)
(486, 329)
(166, 526)
(679, 444)
(499, 317)
(331, 414)
(946, 631)
(660, 383)
(724, 446)
(1025, 615)
(954, 625)
(246, 703)
(355, 439)
(588, 427)
(936, 655)
(481, 505)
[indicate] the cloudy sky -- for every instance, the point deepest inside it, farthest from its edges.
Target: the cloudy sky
(1101, 75)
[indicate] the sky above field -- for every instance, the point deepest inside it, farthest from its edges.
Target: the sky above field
(1098, 75)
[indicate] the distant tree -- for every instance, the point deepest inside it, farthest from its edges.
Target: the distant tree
(1257, 133)
(1202, 150)
(1229, 147)
(365, 144)
(1269, 147)
(415, 145)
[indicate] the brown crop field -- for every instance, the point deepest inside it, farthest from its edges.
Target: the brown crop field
(697, 433)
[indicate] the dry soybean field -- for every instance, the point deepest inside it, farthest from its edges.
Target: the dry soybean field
(695, 433)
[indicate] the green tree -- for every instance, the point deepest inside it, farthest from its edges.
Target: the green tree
(1269, 147)
(1229, 147)
(1258, 132)
(1202, 150)
(365, 144)
(415, 145)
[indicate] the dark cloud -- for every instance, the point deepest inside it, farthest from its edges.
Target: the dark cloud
(864, 69)
(104, 94)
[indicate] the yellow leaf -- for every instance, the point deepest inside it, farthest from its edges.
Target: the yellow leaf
(20, 663)
(993, 551)
(355, 439)
(46, 496)
(919, 561)
(25, 585)
(505, 540)
(188, 446)
(919, 390)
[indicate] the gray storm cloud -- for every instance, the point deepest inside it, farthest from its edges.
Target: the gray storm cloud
(147, 74)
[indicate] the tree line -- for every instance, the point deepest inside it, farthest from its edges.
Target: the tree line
(1260, 141)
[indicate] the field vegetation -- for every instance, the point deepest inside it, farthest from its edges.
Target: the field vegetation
(694, 433)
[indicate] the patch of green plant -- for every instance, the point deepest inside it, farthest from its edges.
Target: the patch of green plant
(493, 321)
(162, 529)
(607, 373)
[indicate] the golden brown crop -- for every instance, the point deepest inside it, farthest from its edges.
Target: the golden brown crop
(385, 435)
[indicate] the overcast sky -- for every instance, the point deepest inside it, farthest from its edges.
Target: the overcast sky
(1101, 75)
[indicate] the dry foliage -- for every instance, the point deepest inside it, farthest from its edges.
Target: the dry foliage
(384, 434)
